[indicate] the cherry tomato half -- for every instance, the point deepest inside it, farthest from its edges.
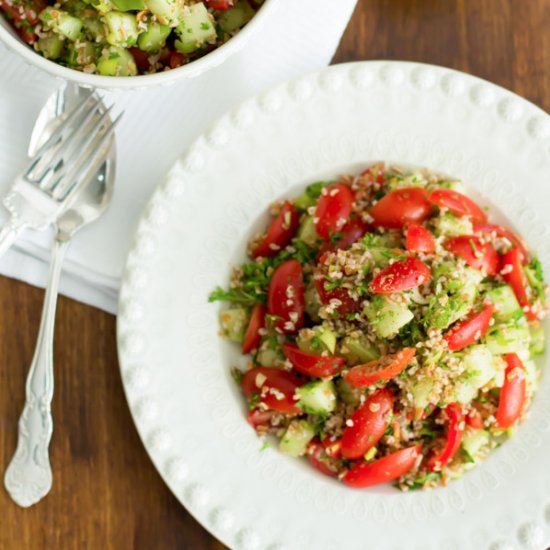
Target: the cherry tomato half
(320, 459)
(346, 303)
(385, 368)
(285, 297)
(333, 209)
(367, 424)
(176, 59)
(252, 336)
(400, 207)
(419, 239)
(275, 388)
(219, 4)
(26, 11)
(512, 393)
(279, 233)
(315, 366)
(458, 204)
(451, 444)
(512, 272)
(349, 234)
(470, 330)
(390, 467)
(258, 418)
(474, 419)
(486, 228)
(474, 252)
(401, 275)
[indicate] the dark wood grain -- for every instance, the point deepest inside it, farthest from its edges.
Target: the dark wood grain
(106, 494)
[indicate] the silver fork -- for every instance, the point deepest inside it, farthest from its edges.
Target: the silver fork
(28, 477)
(52, 178)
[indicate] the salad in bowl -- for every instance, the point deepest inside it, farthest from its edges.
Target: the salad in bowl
(390, 328)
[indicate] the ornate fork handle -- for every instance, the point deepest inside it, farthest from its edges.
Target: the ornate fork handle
(28, 477)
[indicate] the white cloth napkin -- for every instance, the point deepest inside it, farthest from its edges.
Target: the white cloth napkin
(158, 125)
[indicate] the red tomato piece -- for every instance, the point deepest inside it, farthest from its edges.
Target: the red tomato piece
(470, 330)
(512, 393)
(333, 209)
(219, 4)
(390, 467)
(385, 368)
(512, 272)
(401, 207)
(474, 419)
(349, 234)
(176, 59)
(27, 11)
(319, 458)
(141, 58)
(486, 228)
(279, 233)
(252, 336)
(367, 424)
(275, 388)
(258, 418)
(458, 204)
(451, 444)
(419, 239)
(474, 252)
(285, 297)
(401, 275)
(315, 366)
(347, 303)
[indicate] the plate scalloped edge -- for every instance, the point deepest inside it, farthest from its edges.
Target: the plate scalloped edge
(532, 530)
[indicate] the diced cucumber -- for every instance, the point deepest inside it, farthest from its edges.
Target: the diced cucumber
(450, 225)
(154, 38)
(309, 197)
(416, 179)
(82, 53)
(298, 434)
(122, 28)
(317, 397)
(474, 441)
(535, 278)
(269, 354)
(312, 301)
(307, 232)
(102, 6)
(234, 323)
(464, 391)
(381, 256)
(348, 394)
(509, 337)
(358, 350)
(316, 340)
(117, 62)
(538, 339)
(532, 375)
(129, 5)
(95, 28)
(480, 365)
(61, 22)
(388, 313)
(421, 392)
(454, 185)
(168, 12)
(196, 29)
(236, 17)
(505, 302)
(389, 239)
(50, 46)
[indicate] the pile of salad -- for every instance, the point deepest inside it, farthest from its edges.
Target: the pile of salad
(127, 37)
(390, 328)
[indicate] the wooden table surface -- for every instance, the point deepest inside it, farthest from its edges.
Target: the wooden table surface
(106, 493)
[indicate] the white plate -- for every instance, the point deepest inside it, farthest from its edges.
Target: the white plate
(175, 368)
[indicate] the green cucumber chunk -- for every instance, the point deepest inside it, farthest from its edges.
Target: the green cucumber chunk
(450, 225)
(234, 323)
(234, 18)
(317, 397)
(298, 434)
(307, 232)
(505, 302)
(129, 5)
(51, 46)
(421, 392)
(168, 12)
(61, 22)
(510, 337)
(154, 38)
(195, 30)
(538, 341)
(358, 350)
(316, 340)
(388, 313)
(473, 441)
(347, 393)
(480, 365)
(122, 28)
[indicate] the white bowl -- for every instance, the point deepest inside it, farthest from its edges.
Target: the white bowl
(195, 68)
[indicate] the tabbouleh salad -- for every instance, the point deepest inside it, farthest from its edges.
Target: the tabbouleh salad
(127, 37)
(391, 328)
